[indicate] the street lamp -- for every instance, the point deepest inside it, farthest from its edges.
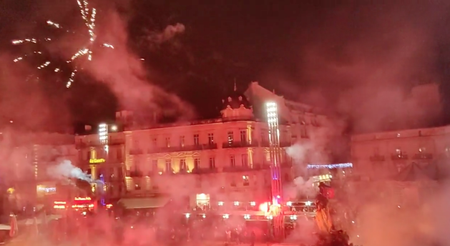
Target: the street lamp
(272, 121)
(103, 137)
(275, 159)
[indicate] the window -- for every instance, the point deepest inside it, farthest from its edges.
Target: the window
(303, 132)
(301, 120)
(232, 161)
(155, 166)
(168, 165)
(230, 137)
(264, 137)
(196, 139)
(119, 154)
(93, 154)
(376, 150)
(243, 135)
(137, 187)
(245, 181)
(210, 138)
(212, 163)
(196, 163)
(181, 141)
(233, 182)
(167, 142)
(183, 166)
(136, 144)
(244, 160)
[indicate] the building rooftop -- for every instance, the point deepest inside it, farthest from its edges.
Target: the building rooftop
(418, 132)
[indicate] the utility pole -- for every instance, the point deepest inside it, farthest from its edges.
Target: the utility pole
(275, 169)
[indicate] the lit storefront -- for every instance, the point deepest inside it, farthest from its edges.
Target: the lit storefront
(326, 172)
(44, 190)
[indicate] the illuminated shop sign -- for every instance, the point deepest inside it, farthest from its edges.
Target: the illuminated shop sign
(83, 199)
(95, 161)
(45, 189)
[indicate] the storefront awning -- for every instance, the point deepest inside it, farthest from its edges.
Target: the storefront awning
(5, 227)
(142, 203)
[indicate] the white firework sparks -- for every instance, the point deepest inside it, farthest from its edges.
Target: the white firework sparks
(88, 14)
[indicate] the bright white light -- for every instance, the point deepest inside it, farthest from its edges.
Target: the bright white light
(330, 166)
(289, 204)
(187, 215)
(269, 217)
(103, 132)
(226, 216)
(236, 203)
(113, 128)
(308, 203)
(272, 113)
(252, 203)
(247, 216)
(293, 217)
(220, 203)
(204, 216)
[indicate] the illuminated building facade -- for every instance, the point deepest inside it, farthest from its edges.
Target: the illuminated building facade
(218, 163)
(102, 155)
(384, 154)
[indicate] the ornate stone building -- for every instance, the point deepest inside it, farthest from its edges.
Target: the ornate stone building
(218, 161)
(383, 154)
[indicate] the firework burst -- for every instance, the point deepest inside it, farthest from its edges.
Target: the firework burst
(88, 14)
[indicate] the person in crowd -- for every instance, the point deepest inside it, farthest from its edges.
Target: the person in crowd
(252, 238)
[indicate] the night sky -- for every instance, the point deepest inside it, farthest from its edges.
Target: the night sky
(333, 54)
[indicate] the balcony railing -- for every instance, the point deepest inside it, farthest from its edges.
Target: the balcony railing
(377, 158)
(285, 144)
(423, 156)
(136, 174)
(136, 152)
(255, 167)
(183, 148)
(204, 170)
(399, 157)
(239, 144)
(282, 144)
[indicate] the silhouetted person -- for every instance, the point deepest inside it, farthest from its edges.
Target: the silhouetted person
(252, 238)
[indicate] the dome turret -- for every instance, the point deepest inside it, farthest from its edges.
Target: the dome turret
(236, 105)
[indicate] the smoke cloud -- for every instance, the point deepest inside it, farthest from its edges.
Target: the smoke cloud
(65, 170)
(394, 213)
(24, 102)
(125, 74)
(167, 34)
(299, 188)
(362, 58)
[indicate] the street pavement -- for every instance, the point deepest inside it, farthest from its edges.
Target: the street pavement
(41, 241)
